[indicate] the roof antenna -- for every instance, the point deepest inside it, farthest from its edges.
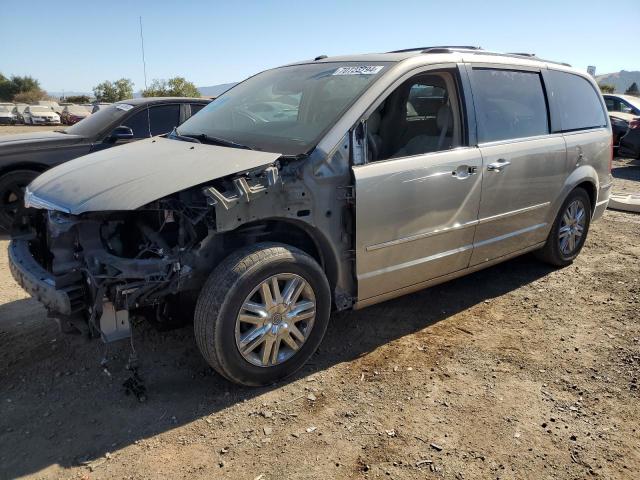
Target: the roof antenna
(144, 64)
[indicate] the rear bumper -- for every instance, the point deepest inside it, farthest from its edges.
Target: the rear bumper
(603, 199)
(39, 283)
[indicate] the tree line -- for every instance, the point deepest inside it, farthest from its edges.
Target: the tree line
(27, 89)
(122, 89)
(20, 89)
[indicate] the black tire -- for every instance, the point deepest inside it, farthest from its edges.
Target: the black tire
(12, 186)
(224, 293)
(551, 252)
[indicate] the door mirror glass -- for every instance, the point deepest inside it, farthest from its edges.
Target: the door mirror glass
(121, 133)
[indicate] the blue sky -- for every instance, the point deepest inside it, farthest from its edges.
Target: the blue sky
(73, 45)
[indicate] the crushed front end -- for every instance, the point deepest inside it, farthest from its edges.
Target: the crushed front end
(95, 269)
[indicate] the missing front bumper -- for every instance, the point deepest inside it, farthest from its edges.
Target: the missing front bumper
(39, 283)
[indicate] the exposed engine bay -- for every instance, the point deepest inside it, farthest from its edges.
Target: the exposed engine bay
(153, 260)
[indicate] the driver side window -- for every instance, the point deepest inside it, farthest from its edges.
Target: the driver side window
(420, 116)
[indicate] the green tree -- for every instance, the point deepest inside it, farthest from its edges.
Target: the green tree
(633, 90)
(113, 91)
(17, 85)
(174, 87)
(77, 99)
(6, 93)
(604, 88)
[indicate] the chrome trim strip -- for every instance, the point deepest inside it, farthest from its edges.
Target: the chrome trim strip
(508, 235)
(602, 202)
(361, 303)
(413, 263)
(500, 216)
(419, 236)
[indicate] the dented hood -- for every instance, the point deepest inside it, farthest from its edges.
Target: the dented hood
(130, 176)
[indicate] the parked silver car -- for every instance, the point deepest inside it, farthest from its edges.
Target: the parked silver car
(367, 178)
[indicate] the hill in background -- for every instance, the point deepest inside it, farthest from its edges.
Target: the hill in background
(216, 90)
(620, 80)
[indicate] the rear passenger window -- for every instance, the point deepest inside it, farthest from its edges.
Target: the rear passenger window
(577, 101)
(509, 104)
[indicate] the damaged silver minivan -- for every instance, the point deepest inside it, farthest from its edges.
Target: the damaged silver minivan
(323, 185)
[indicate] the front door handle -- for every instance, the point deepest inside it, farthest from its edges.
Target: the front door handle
(498, 166)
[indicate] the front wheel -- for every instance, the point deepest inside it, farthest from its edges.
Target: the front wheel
(12, 187)
(262, 313)
(569, 231)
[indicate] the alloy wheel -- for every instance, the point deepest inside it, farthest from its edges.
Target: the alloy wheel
(572, 227)
(275, 320)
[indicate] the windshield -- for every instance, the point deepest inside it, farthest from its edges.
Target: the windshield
(633, 101)
(40, 109)
(94, 124)
(4, 109)
(285, 110)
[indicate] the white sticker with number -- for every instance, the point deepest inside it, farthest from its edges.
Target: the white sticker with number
(124, 106)
(359, 70)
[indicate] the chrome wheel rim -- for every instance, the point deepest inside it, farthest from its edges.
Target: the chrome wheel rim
(572, 227)
(275, 320)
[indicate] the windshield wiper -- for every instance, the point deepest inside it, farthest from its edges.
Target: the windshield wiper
(61, 131)
(203, 137)
(185, 138)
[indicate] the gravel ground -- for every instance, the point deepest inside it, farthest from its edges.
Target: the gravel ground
(518, 371)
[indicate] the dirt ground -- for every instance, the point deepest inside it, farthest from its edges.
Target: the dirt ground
(518, 371)
(9, 129)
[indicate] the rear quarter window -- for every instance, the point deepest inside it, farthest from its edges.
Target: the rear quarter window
(577, 103)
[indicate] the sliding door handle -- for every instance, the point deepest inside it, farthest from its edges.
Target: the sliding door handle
(498, 166)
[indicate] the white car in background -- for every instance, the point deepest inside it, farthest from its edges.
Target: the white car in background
(40, 115)
(6, 115)
(53, 105)
(18, 110)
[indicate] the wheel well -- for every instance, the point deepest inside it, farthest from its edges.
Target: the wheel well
(290, 233)
(37, 167)
(591, 191)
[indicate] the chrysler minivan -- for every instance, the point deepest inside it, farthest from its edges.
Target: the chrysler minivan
(323, 185)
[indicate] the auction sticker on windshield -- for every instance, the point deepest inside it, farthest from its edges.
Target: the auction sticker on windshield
(124, 106)
(360, 70)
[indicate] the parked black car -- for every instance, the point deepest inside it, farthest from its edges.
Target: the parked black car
(24, 156)
(619, 128)
(630, 143)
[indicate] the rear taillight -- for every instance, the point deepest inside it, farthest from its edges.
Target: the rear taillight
(635, 123)
(611, 156)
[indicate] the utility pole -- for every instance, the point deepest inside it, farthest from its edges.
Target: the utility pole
(144, 64)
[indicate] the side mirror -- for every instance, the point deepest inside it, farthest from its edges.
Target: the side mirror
(121, 133)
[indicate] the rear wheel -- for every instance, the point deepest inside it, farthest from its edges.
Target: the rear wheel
(12, 187)
(262, 313)
(569, 231)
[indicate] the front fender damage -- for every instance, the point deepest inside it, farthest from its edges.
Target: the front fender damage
(152, 260)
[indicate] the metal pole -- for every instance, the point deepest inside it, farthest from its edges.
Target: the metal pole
(144, 64)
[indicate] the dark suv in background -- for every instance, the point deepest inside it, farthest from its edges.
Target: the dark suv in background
(24, 156)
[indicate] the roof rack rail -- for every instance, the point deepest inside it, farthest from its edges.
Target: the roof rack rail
(476, 50)
(449, 47)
